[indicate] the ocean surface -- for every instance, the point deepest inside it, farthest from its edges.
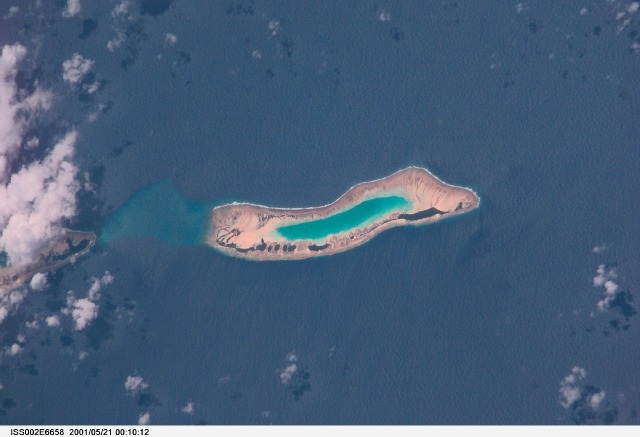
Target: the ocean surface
(521, 312)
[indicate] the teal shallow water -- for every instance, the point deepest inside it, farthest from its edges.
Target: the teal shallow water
(160, 211)
(360, 215)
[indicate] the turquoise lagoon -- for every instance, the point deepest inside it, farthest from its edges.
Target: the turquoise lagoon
(160, 211)
(358, 216)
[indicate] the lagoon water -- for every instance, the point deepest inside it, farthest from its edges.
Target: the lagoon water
(358, 216)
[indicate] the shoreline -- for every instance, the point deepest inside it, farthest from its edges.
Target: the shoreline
(236, 203)
(246, 230)
(57, 254)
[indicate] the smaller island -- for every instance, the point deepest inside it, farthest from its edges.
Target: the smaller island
(63, 250)
(412, 196)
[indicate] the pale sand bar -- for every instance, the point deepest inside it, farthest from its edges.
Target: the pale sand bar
(246, 230)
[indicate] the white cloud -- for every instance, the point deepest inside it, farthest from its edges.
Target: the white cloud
(291, 357)
(577, 395)
(121, 9)
(384, 16)
(94, 291)
(36, 201)
(14, 349)
(10, 299)
(17, 110)
(98, 283)
(274, 27)
(170, 39)
(144, 418)
(599, 249)
(224, 379)
(605, 278)
(120, 12)
(84, 312)
(107, 278)
(75, 69)
(40, 196)
(287, 373)
(117, 41)
(603, 275)
(135, 384)
(571, 387)
(16, 296)
(610, 287)
(33, 324)
(189, 408)
(32, 143)
(53, 321)
(38, 282)
(72, 9)
(596, 399)
(13, 11)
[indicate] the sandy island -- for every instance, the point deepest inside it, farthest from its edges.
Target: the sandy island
(70, 246)
(248, 231)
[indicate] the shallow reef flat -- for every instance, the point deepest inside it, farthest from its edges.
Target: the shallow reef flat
(412, 196)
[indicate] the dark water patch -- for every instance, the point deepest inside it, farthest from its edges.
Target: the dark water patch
(89, 26)
(300, 384)
(134, 34)
(130, 58)
(582, 412)
(8, 403)
(66, 340)
(235, 396)
(94, 371)
(622, 302)
(184, 58)
(397, 34)
(240, 8)
(288, 46)
(29, 369)
(119, 150)
(154, 8)
(421, 214)
(54, 305)
(621, 306)
(28, 81)
(89, 216)
(146, 400)
(98, 332)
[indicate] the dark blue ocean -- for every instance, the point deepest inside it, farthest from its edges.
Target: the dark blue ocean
(487, 318)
